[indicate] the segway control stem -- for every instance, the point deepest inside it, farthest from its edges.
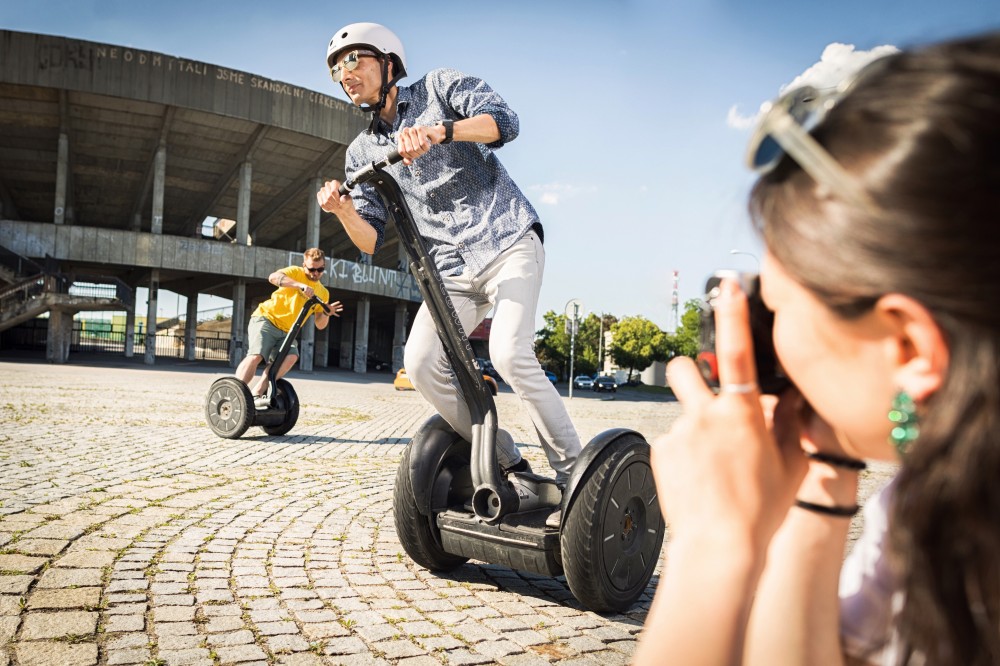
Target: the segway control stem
(494, 496)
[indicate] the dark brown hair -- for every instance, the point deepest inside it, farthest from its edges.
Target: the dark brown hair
(922, 137)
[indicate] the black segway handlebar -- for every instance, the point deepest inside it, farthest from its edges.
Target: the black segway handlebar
(370, 172)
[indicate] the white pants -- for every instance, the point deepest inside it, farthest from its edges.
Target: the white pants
(510, 285)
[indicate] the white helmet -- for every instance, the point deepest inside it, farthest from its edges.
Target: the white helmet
(373, 36)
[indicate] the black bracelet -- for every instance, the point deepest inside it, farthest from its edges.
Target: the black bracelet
(835, 510)
(837, 461)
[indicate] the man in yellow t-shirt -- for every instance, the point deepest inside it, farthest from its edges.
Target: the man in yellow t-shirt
(271, 321)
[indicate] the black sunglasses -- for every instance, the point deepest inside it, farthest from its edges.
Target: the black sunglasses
(318, 269)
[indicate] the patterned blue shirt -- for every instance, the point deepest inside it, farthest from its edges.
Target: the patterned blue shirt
(465, 204)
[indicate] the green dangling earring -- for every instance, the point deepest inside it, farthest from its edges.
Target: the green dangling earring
(905, 425)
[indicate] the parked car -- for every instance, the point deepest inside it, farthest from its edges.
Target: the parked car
(551, 376)
(403, 383)
(605, 384)
(486, 365)
(583, 382)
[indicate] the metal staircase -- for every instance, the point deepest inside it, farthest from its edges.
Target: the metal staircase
(31, 290)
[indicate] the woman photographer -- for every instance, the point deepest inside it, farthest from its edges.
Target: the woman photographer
(882, 230)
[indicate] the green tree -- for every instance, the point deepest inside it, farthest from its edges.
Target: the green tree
(552, 344)
(636, 343)
(687, 338)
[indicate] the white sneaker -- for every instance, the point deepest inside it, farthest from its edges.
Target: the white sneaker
(261, 402)
(554, 519)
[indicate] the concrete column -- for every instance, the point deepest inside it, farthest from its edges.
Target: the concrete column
(154, 288)
(322, 350)
(361, 335)
(130, 329)
(62, 178)
(346, 342)
(237, 344)
(159, 183)
(312, 220)
(191, 328)
(243, 204)
(399, 336)
(60, 333)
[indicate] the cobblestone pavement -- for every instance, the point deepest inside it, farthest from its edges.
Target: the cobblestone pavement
(130, 534)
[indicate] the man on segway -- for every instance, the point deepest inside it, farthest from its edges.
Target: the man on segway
(483, 233)
(271, 321)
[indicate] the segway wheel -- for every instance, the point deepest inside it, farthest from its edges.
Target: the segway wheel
(418, 533)
(229, 408)
(612, 536)
(286, 399)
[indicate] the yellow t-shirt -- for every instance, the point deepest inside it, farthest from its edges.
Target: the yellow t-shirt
(286, 302)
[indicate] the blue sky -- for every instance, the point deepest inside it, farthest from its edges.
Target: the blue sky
(625, 148)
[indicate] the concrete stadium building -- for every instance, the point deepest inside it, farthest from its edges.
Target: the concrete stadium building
(116, 163)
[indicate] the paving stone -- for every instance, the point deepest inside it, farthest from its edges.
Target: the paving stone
(81, 597)
(57, 578)
(240, 653)
(174, 613)
(86, 559)
(121, 657)
(21, 564)
(39, 546)
(10, 605)
(346, 645)
(15, 584)
(127, 641)
(45, 653)
(8, 627)
(287, 643)
(241, 637)
(188, 657)
(119, 623)
(179, 643)
(276, 628)
(39, 626)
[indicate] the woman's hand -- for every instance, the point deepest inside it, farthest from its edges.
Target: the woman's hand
(729, 468)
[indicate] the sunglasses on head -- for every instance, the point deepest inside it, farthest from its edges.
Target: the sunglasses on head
(349, 63)
(317, 269)
(786, 127)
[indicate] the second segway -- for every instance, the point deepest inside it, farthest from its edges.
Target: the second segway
(230, 408)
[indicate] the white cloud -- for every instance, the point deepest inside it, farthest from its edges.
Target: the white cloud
(551, 194)
(837, 62)
(737, 120)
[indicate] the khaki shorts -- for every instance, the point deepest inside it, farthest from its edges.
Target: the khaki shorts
(265, 338)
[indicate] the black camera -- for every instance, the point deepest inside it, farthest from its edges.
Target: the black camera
(770, 376)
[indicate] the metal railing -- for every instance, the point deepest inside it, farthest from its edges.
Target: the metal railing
(106, 337)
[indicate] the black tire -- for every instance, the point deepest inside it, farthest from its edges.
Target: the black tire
(229, 409)
(612, 536)
(285, 398)
(418, 533)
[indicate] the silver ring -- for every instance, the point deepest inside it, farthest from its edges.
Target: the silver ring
(749, 387)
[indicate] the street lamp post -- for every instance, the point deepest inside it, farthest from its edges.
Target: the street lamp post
(573, 311)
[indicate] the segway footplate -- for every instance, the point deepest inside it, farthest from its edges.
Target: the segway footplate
(519, 541)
